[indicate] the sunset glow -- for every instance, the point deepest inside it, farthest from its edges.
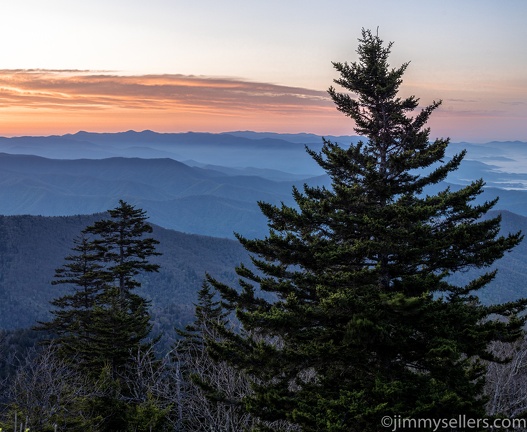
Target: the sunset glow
(115, 66)
(50, 102)
(43, 102)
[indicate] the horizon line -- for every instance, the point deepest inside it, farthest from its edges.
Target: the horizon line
(228, 132)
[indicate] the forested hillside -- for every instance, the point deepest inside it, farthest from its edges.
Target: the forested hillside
(32, 247)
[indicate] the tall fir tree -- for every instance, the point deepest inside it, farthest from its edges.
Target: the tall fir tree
(102, 322)
(365, 321)
(120, 317)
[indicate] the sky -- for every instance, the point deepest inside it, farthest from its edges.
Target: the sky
(216, 66)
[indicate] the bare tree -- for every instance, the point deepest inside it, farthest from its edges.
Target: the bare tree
(150, 384)
(506, 383)
(210, 392)
(48, 393)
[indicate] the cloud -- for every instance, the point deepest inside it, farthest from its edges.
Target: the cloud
(37, 101)
(461, 100)
(93, 90)
(513, 103)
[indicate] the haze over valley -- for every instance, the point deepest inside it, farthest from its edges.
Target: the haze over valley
(198, 190)
(204, 183)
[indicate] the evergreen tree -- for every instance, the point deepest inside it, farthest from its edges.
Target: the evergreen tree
(102, 320)
(73, 312)
(120, 318)
(365, 321)
(100, 324)
(208, 314)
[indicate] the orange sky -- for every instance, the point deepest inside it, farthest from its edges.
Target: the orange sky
(40, 102)
(47, 102)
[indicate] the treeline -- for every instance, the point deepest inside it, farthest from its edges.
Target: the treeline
(349, 313)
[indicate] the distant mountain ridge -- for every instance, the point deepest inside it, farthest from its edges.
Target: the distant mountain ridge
(174, 194)
(238, 149)
(215, 201)
(207, 148)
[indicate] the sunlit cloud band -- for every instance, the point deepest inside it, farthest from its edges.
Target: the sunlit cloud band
(86, 90)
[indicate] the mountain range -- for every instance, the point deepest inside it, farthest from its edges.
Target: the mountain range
(198, 189)
(201, 195)
(177, 196)
(282, 152)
